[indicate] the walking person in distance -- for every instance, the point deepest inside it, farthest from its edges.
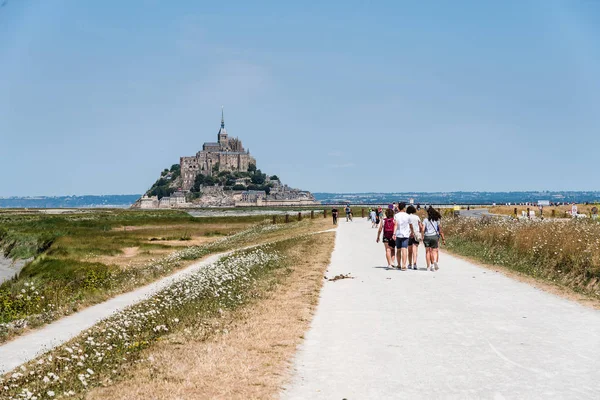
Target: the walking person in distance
(432, 232)
(334, 214)
(373, 216)
(387, 226)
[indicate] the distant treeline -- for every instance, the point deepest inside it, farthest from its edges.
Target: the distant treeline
(121, 200)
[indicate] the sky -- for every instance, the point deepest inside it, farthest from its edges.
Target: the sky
(97, 97)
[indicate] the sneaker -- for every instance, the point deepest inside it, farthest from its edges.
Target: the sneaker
(435, 265)
(409, 266)
(415, 267)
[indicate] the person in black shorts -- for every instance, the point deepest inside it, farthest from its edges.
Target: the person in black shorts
(388, 233)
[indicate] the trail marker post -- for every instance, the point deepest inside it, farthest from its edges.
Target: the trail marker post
(274, 219)
(287, 218)
(324, 213)
(299, 215)
(312, 214)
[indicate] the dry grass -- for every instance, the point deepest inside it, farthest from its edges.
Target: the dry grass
(142, 257)
(134, 257)
(244, 354)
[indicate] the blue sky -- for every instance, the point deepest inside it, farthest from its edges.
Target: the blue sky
(97, 97)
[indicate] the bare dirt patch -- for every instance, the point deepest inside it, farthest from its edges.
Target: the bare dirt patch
(243, 354)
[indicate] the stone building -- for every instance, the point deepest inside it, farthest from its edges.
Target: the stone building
(227, 154)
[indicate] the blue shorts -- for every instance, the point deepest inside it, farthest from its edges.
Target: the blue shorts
(401, 243)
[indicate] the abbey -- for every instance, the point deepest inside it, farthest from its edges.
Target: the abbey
(227, 154)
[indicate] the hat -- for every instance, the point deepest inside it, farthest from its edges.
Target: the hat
(391, 207)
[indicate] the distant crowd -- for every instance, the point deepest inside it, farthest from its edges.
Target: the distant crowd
(403, 231)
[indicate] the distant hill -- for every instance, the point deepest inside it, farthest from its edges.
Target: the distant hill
(117, 201)
(460, 197)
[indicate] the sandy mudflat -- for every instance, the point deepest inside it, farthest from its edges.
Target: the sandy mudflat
(8, 267)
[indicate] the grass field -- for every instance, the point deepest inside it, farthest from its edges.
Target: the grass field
(84, 258)
(229, 336)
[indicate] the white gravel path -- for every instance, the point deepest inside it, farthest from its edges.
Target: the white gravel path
(29, 346)
(463, 332)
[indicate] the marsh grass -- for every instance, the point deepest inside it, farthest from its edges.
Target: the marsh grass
(564, 252)
(67, 276)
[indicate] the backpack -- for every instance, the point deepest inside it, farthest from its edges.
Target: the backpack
(388, 228)
(436, 227)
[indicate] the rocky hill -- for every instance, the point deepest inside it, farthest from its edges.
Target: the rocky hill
(222, 189)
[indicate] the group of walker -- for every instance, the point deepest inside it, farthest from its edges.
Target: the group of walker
(403, 231)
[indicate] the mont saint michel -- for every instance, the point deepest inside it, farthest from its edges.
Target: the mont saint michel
(222, 174)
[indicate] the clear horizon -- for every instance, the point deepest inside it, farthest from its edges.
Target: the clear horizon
(343, 97)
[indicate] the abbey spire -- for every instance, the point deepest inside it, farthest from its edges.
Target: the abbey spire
(222, 135)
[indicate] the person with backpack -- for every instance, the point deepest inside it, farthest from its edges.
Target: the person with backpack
(415, 237)
(348, 213)
(388, 233)
(432, 232)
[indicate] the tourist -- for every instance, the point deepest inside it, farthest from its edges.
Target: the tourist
(415, 237)
(334, 214)
(380, 216)
(373, 217)
(348, 213)
(433, 231)
(402, 229)
(388, 233)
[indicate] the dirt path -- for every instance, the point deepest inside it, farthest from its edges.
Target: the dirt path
(461, 332)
